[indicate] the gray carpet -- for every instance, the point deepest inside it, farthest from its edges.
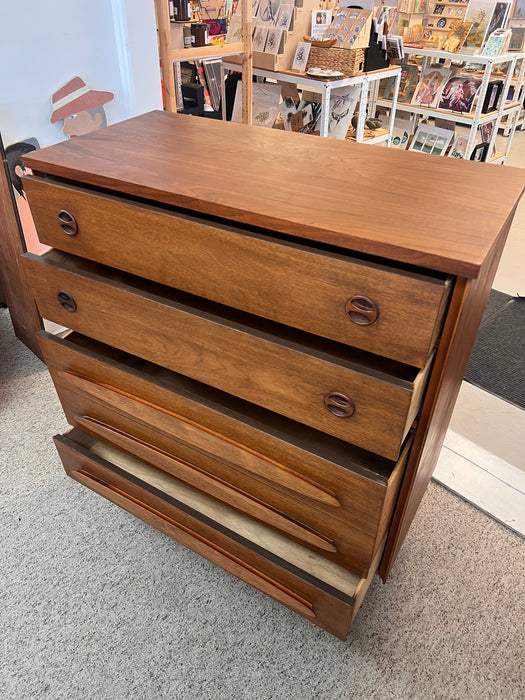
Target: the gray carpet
(497, 364)
(95, 604)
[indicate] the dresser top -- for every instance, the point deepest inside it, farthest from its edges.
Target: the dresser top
(434, 212)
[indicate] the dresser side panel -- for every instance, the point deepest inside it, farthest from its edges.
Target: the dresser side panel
(466, 309)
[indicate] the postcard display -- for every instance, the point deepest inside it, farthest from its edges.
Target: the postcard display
(277, 27)
(459, 94)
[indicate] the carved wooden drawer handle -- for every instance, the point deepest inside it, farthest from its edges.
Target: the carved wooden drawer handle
(362, 310)
(68, 223)
(339, 404)
(66, 301)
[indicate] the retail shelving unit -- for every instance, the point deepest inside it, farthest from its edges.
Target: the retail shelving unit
(168, 55)
(326, 87)
(474, 120)
(517, 85)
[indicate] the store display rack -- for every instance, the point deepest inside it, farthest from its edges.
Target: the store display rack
(366, 81)
(169, 56)
(477, 118)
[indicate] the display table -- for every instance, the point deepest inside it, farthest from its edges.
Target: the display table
(366, 82)
(264, 356)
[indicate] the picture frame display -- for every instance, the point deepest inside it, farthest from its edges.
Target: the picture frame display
(459, 93)
(431, 140)
(430, 87)
(492, 96)
(518, 11)
(479, 14)
(500, 15)
(409, 73)
(459, 147)
(517, 39)
(480, 152)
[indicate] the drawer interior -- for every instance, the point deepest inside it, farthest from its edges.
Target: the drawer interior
(310, 586)
(235, 524)
(232, 520)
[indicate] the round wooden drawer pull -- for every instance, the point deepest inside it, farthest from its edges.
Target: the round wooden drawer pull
(362, 310)
(66, 301)
(339, 404)
(68, 223)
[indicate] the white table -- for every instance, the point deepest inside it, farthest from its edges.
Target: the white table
(369, 83)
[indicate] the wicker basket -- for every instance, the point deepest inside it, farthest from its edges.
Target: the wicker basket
(349, 62)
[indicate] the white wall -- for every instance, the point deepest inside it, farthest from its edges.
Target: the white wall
(110, 44)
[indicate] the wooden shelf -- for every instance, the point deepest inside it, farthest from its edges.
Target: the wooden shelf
(202, 52)
(168, 55)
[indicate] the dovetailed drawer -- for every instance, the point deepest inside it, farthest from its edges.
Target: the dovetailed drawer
(360, 303)
(327, 496)
(362, 400)
(317, 589)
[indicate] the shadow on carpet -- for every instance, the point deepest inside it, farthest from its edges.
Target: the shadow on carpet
(497, 364)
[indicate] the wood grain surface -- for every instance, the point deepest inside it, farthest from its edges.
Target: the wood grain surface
(432, 212)
(221, 262)
(263, 368)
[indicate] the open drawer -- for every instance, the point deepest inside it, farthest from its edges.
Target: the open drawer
(311, 586)
(365, 400)
(321, 492)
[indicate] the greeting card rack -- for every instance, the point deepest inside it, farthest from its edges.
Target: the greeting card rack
(300, 27)
(491, 67)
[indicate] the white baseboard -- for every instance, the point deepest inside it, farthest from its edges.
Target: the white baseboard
(483, 479)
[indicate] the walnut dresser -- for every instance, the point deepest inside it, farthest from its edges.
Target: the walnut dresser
(267, 335)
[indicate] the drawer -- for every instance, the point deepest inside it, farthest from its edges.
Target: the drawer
(359, 303)
(363, 400)
(315, 588)
(327, 496)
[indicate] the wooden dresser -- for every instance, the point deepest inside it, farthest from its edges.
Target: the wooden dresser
(268, 333)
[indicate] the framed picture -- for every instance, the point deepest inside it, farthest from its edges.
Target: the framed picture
(499, 17)
(301, 56)
(409, 73)
(480, 152)
(456, 37)
(519, 10)
(431, 140)
(496, 43)
(459, 93)
(517, 38)
(492, 96)
(459, 147)
(479, 14)
(430, 87)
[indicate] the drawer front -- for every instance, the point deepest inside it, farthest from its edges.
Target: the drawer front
(364, 305)
(322, 505)
(366, 409)
(266, 561)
